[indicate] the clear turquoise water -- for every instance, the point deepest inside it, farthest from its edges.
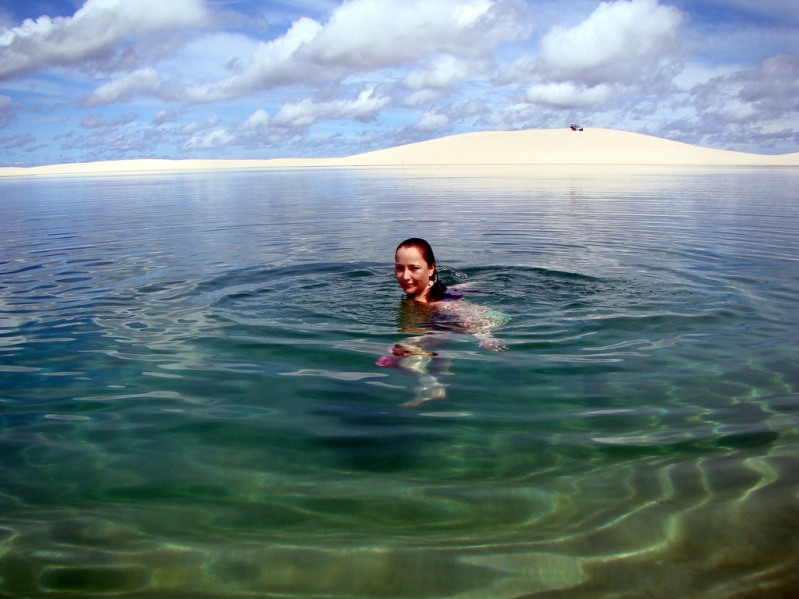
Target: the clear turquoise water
(190, 405)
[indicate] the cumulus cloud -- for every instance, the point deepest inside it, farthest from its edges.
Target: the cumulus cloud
(94, 31)
(469, 109)
(258, 120)
(138, 82)
(196, 126)
(217, 138)
(431, 122)
(516, 115)
(568, 94)
(622, 48)
(431, 65)
(423, 97)
(306, 112)
(751, 97)
(748, 109)
(620, 42)
(772, 89)
(442, 71)
(368, 35)
(105, 144)
(442, 119)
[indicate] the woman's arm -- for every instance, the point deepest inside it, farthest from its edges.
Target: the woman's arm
(479, 321)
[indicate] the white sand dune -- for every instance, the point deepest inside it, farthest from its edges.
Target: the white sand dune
(529, 147)
(563, 146)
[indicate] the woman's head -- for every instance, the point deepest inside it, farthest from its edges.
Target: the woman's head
(424, 248)
(415, 269)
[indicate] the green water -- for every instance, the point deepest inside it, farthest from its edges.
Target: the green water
(190, 404)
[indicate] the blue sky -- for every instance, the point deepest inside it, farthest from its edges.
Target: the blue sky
(118, 79)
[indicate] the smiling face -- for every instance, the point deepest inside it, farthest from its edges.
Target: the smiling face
(412, 272)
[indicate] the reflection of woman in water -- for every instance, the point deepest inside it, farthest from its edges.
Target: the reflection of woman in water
(440, 308)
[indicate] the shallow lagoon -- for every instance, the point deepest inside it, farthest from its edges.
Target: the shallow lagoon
(190, 404)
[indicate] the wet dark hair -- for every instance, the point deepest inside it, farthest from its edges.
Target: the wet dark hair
(438, 290)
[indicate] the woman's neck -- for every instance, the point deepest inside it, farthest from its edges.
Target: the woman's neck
(423, 297)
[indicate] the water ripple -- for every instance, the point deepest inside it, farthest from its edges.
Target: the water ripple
(191, 403)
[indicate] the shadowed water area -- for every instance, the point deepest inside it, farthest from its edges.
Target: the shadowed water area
(190, 404)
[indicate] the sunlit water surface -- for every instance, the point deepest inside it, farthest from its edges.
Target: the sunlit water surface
(190, 404)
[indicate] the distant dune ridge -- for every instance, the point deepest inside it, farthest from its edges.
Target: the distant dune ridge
(528, 147)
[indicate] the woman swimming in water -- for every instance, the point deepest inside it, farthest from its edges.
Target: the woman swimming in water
(415, 269)
(417, 274)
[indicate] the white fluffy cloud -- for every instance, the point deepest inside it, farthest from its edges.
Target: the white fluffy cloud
(568, 94)
(256, 121)
(618, 43)
(368, 35)
(382, 72)
(217, 138)
(141, 81)
(432, 121)
(769, 92)
(94, 32)
(442, 71)
(307, 112)
(422, 97)
(773, 87)
(622, 48)
(625, 42)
